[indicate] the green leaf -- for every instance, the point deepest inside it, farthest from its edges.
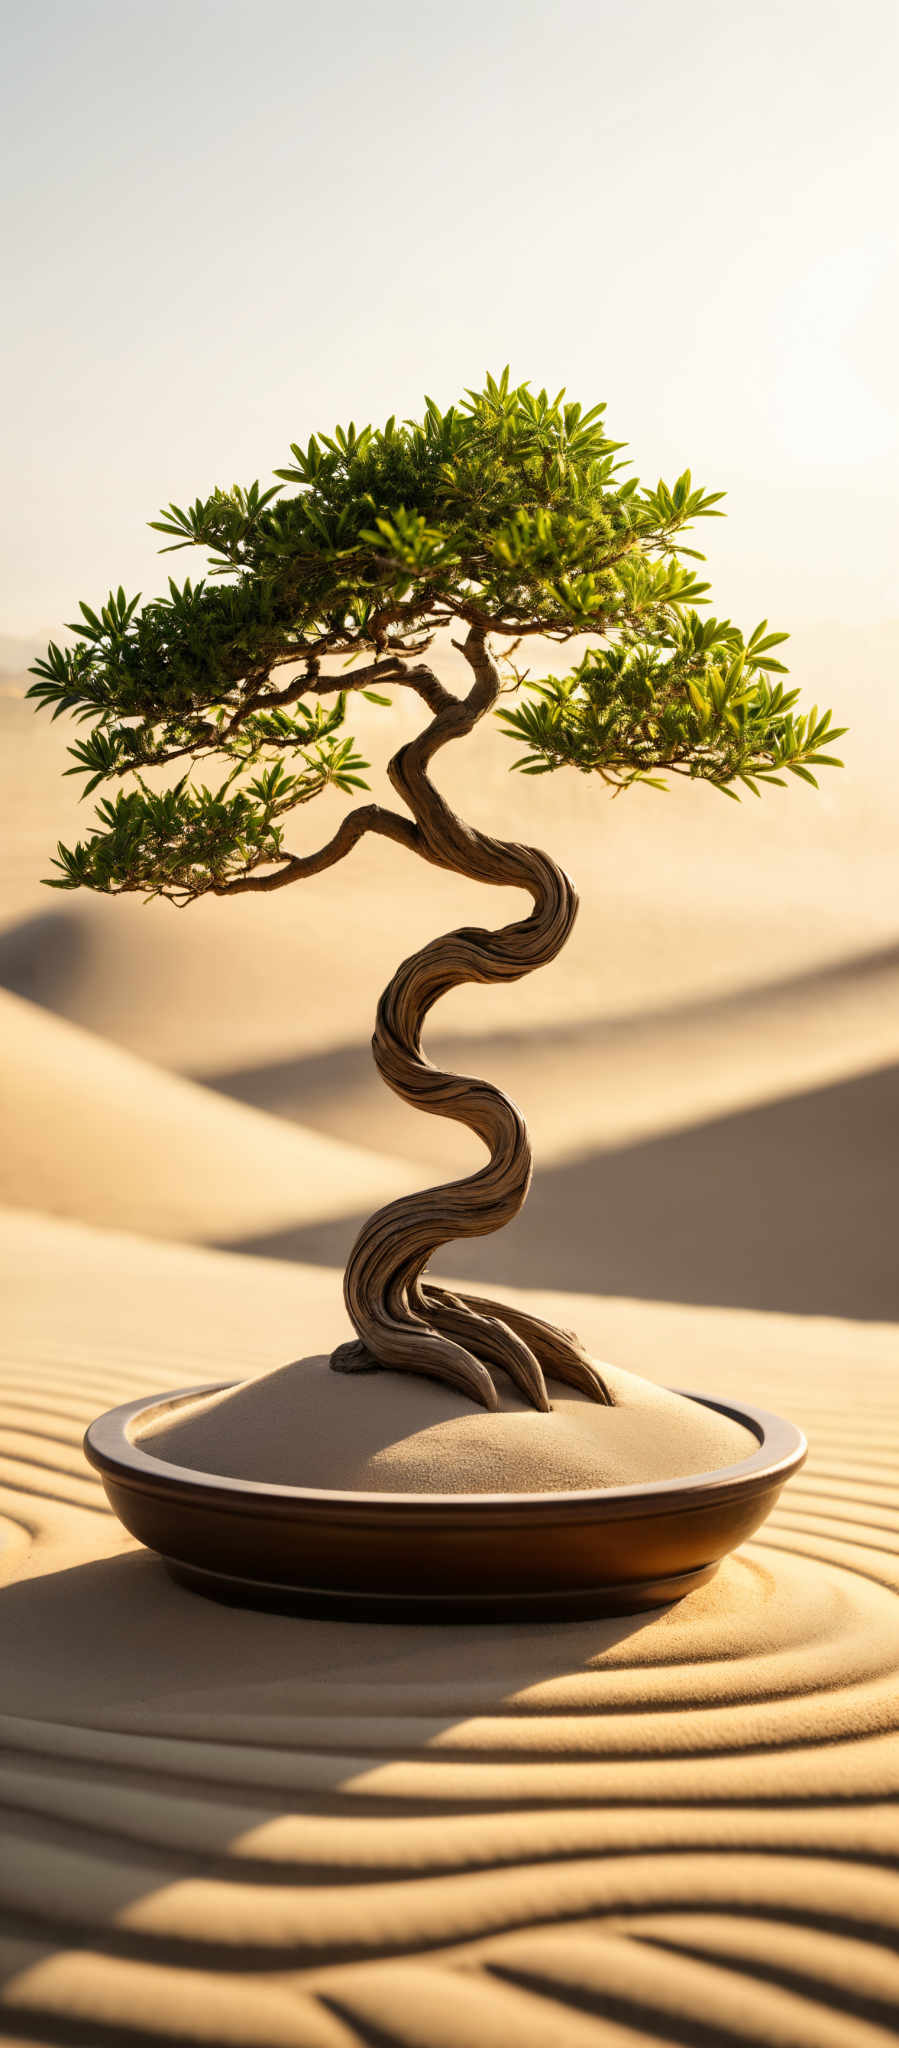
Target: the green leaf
(512, 508)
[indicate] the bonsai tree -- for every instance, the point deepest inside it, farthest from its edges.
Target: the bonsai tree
(503, 520)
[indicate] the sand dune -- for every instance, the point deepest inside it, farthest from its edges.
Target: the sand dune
(92, 1132)
(223, 1826)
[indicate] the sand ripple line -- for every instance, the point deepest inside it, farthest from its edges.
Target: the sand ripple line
(304, 1836)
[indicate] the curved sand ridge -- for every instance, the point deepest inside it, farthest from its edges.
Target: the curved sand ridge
(226, 1826)
(93, 1133)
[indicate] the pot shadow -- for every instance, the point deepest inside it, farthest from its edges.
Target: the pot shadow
(120, 1629)
(196, 1727)
(787, 1207)
(149, 1738)
(150, 1702)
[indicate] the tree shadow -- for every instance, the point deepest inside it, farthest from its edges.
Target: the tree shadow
(790, 1206)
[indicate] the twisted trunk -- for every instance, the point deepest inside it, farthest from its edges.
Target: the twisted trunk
(403, 1321)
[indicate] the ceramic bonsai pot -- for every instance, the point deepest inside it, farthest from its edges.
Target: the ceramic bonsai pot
(437, 1557)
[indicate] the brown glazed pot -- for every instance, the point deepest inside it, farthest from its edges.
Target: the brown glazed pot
(437, 1557)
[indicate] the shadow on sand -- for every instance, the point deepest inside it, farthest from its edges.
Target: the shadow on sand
(163, 1660)
(791, 1206)
(337, 1090)
(44, 958)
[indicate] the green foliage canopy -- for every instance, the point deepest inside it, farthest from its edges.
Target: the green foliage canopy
(507, 515)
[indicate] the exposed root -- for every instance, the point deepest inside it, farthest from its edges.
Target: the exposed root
(560, 1352)
(494, 1340)
(433, 1355)
(489, 1333)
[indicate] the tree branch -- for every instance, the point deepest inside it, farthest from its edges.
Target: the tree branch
(208, 739)
(447, 840)
(389, 668)
(291, 694)
(454, 716)
(298, 867)
(430, 689)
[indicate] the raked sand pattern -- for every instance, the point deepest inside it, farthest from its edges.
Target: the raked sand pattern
(227, 1827)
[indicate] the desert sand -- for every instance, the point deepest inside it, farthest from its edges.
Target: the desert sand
(677, 1827)
(223, 1826)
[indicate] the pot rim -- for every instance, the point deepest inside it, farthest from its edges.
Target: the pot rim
(110, 1448)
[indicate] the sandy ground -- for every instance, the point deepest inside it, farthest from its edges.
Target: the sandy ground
(223, 1826)
(673, 1828)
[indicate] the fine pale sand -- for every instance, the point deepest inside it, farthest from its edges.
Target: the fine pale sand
(305, 1425)
(221, 1826)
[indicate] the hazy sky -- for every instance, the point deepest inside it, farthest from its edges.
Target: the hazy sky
(231, 221)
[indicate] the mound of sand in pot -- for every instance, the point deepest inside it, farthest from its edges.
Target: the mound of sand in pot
(392, 1432)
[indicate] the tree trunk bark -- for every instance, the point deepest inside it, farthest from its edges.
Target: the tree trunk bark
(403, 1321)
